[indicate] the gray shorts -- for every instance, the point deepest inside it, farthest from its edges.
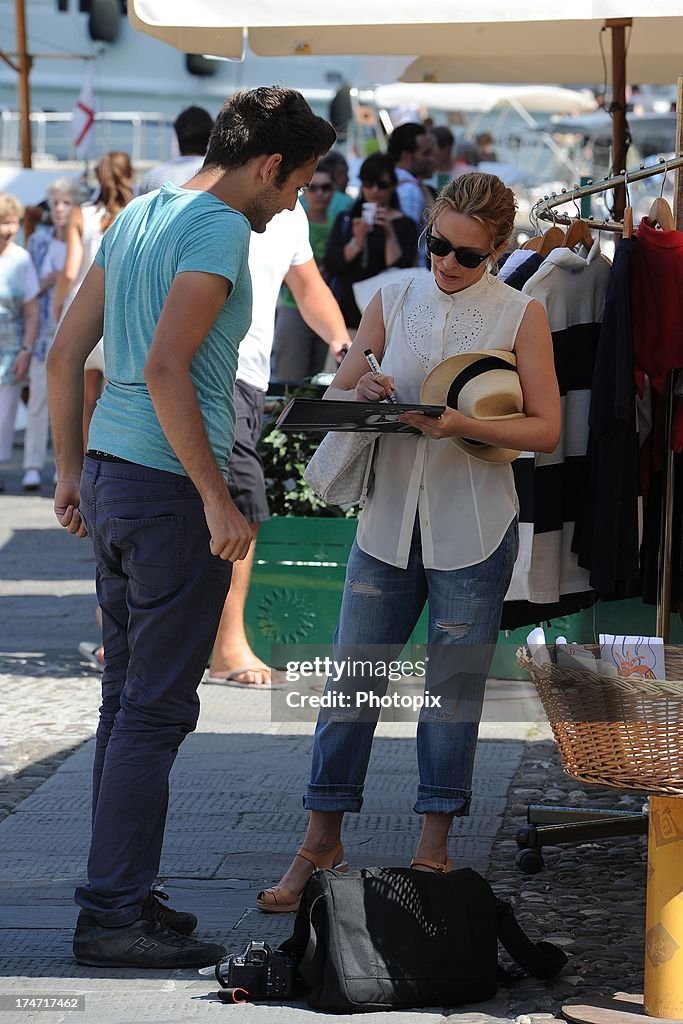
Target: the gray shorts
(298, 352)
(246, 481)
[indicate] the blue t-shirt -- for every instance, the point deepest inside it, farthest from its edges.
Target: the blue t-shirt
(157, 236)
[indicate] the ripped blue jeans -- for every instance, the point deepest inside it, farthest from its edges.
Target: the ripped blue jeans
(380, 608)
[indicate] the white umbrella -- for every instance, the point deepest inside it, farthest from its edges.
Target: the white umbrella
(471, 97)
(553, 51)
(491, 41)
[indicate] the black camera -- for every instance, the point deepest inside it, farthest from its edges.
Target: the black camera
(258, 973)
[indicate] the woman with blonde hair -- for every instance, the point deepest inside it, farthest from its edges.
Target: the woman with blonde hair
(439, 525)
(87, 224)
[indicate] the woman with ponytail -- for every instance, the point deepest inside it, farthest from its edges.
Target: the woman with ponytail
(87, 224)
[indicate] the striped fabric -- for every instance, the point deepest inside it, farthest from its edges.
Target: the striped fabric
(572, 288)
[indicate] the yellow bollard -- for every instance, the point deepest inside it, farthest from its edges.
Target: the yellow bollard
(663, 996)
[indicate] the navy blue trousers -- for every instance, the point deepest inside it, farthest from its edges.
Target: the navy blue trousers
(162, 593)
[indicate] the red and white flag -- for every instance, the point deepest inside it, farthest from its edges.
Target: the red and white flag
(83, 122)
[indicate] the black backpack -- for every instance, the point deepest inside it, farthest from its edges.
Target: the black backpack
(383, 938)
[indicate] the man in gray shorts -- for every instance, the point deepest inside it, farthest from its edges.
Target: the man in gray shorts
(282, 252)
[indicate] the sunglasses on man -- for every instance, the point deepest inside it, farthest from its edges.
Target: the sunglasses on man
(467, 258)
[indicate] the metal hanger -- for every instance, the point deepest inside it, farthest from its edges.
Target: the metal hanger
(628, 211)
(533, 243)
(578, 231)
(551, 239)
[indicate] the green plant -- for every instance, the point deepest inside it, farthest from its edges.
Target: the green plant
(284, 457)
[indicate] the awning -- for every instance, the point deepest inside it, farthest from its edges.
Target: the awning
(525, 41)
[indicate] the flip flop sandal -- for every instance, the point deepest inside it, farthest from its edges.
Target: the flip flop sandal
(231, 679)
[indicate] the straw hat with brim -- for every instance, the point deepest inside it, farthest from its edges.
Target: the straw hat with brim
(483, 385)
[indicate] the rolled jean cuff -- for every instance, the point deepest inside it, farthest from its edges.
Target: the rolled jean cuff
(434, 800)
(333, 798)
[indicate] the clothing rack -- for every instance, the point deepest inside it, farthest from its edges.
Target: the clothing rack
(542, 207)
(542, 210)
(662, 989)
(564, 220)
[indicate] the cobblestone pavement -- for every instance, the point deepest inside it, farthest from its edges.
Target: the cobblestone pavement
(590, 897)
(236, 815)
(48, 697)
(45, 716)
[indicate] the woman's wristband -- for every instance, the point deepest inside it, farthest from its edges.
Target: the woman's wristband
(25, 348)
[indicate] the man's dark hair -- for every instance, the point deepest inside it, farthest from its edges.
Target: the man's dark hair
(404, 138)
(193, 127)
(265, 121)
(444, 136)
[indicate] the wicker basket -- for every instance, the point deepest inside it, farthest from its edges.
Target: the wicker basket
(613, 731)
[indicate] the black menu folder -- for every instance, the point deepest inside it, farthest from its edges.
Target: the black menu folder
(315, 415)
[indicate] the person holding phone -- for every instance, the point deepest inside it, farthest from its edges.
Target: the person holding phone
(439, 526)
(362, 245)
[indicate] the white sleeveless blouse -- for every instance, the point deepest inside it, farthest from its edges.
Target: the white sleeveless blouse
(464, 505)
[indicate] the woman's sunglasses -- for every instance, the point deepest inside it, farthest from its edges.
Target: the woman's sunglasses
(378, 184)
(319, 188)
(467, 258)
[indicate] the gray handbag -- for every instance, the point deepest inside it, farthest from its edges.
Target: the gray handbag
(340, 470)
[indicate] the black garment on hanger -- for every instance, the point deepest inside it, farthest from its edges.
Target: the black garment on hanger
(606, 533)
(520, 613)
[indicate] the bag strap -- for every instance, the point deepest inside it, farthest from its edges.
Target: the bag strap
(305, 967)
(542, 959)
(394, 311)
(365, 487)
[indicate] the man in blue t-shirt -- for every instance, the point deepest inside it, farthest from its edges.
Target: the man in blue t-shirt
(170, 293)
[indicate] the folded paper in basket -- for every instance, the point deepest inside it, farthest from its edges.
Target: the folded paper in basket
(635, 657)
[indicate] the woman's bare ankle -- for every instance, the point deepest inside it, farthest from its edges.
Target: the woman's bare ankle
(321, 844)
(301, 869)
(438, 854)
(433, 843)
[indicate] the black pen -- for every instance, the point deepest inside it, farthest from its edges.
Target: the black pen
(376, 368)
